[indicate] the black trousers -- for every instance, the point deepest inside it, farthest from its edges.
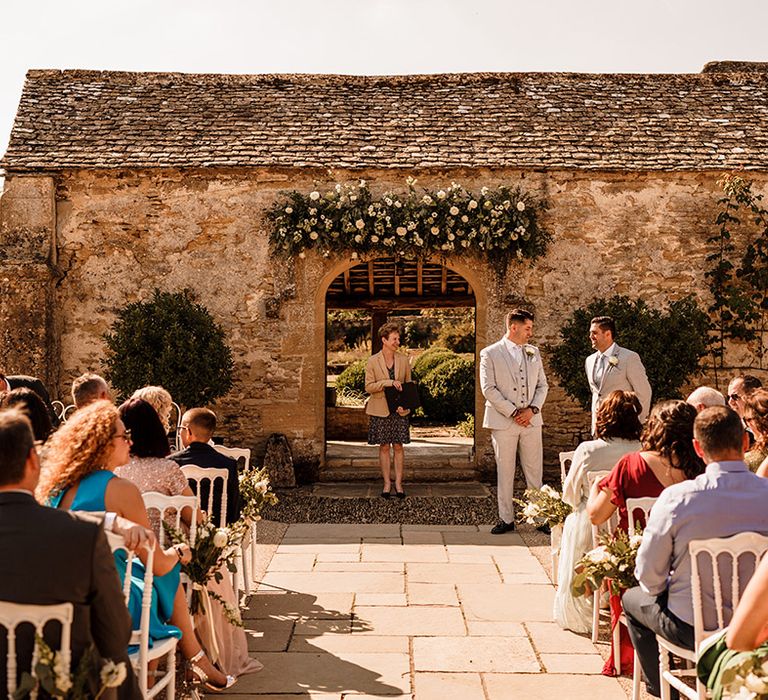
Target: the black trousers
(648, 616)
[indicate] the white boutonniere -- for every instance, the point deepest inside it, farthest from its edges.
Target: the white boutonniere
(613, 361)
(530, 352)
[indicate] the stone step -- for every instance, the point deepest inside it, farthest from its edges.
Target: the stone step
(432, 452)
(425, 463)
(411, 474)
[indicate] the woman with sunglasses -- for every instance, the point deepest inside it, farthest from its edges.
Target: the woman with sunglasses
(755, 415)
(79, 475)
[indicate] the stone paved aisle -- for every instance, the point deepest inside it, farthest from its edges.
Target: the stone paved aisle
(412, 611)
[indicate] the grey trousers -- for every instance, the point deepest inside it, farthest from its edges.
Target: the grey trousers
(648, 616)
(506, 445)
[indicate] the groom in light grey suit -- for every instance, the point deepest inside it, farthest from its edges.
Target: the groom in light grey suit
(514, 386)
(613, 368)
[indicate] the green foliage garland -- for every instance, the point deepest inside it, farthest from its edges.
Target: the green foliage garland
(671, 344)
(500, 223)
(738, 278)
(171, 341)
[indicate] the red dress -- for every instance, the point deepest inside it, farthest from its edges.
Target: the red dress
(630, 478)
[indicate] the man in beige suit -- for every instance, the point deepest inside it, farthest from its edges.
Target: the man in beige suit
(514, 386)
(613, 368)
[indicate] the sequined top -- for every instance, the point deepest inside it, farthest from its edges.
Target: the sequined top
(154, 474)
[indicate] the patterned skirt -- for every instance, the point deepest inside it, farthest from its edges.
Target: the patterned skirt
(393, 429)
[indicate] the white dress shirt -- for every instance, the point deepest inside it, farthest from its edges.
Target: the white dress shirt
(515, 350)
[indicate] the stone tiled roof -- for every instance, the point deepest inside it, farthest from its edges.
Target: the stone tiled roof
(73, 119)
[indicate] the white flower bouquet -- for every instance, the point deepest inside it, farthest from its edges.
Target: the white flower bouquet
(544, 505)
(613, 560)
(255, 493)
(215, 548)
(50, 677)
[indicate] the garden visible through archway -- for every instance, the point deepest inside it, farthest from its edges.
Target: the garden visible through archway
(435, 306)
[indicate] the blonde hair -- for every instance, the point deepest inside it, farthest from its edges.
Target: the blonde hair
(81, 446)
(159, 399)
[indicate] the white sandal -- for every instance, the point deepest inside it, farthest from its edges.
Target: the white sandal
(202, 676)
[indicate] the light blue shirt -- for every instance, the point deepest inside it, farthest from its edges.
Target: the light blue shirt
(726, 500)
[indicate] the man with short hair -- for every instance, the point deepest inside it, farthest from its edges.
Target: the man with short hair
(196, 430)
(18, 381)
(514, 386)
(88, 388)
(613, 368)
(705, 397)
(50, 556)
(723, 501)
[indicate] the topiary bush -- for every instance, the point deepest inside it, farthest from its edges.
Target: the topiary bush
(353, 377)
(171, 341)
(428, 360)
(448, 391)
(670, 343)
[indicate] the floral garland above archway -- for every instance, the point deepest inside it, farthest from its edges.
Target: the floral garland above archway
(499, 224)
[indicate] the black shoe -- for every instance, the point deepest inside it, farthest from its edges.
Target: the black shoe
(400, 494)
(545, 529)
(501, 527)
(385, 494)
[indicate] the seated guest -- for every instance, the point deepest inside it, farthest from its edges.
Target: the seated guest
(705, 397)
(49, 557)
(34, 408)
(88, 388)
(160, 400)
(150, 470)
(618, 431)
(667, 458)
(723, 501)
(755, 417)
(739, 388)
(197, 427)
(79, 475)
(21, 381)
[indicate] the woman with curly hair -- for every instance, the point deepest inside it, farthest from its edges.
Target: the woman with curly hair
(79, 475)
(667, 458)
(618, 431)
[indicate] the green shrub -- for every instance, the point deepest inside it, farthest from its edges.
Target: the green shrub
(466, 428)
(670, 343)
(459, 337)
(171, 341)
(353, 377)
(428, 360)
(448, 391)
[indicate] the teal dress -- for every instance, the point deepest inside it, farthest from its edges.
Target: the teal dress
(90, 497)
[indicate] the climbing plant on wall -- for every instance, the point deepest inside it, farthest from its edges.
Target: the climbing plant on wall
(738, 277)
(499, 223)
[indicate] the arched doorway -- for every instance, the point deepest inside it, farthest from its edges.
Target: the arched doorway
(403, 290)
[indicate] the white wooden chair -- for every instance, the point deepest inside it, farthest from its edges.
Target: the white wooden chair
(634, 507)
(14, 614)
(236, 453)
(566, 458)
(66, 411)
(177, 440)
(741, 553)
(607, 527)
(163, 647)
(173, 506)
(58, 408)
(201, 475)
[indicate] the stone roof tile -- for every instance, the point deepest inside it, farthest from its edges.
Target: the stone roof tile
(89, 119)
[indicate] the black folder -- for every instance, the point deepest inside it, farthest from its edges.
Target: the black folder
(408, 398)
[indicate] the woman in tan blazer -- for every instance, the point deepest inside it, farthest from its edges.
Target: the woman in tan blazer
(388, 368)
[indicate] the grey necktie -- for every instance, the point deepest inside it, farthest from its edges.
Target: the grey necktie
(599, 369)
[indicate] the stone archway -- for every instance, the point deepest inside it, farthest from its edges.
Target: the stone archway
(384, 285)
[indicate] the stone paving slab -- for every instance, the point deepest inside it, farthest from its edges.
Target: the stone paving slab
(269, 635)
(439, 686)
(480, 654)
(412, 621)
(345, 643)
(295, 672)
(289, 605)
(439, 528)
(432, 594)
(435, 537)
(393, 567)
(352, 533)
(292, 562)
(494, 628)
(335, 582)
(451, 573)
(414, 553)
(377, 599)
(589, 664)
(505, 686)
(550, 638)
(507, 602)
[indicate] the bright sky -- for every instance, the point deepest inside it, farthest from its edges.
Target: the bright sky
(373, 37)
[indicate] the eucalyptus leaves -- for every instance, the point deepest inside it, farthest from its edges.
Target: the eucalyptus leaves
(500, 223)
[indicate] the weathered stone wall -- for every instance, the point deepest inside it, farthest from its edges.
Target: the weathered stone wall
(118, 235)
